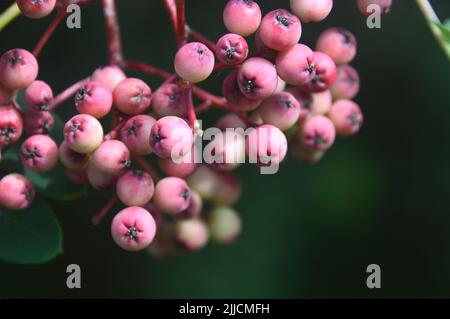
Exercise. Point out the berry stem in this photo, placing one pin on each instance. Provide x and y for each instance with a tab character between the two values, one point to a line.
98	217
217	101
433	22
203	107
66	94
172	10
145	166
147	68
113	30
48	33
190	110
114	133
181	22
9	15
201	38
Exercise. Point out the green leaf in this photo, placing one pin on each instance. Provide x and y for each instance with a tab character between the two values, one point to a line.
32	236
445	30
55	184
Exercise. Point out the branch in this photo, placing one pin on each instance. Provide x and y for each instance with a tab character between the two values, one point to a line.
187	95
172	10
181	22
66	94
98	217
9	15
433	20
147	68
48	33
201	38
113	30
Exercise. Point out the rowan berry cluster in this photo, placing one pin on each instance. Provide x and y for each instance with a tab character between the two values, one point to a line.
285	93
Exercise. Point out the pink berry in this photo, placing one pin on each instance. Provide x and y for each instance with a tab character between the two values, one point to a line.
83	133
169	100
339	44
16	192
195	206
321	102
71	159
296	66
266	145
38	122
311	10
194	62
136	134
98	179
38	96
11	126
230	120
347	83
346	117
325	73
133	228
135	188
36	9
109	76
318	133
18	69
39	153
242	17
94	98
132	96
280	30
182	168
112	157
224	225
191	234
77	177
171	195
257	78
281	110
171	137
226	151
305	155
363	6
232	49
229	189
5	95
205	181
234	96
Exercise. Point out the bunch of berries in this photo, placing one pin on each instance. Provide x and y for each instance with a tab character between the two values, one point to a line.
284	95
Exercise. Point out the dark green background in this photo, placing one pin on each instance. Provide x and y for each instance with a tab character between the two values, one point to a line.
380	197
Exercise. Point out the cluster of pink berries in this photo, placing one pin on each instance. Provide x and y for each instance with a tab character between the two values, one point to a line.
283	87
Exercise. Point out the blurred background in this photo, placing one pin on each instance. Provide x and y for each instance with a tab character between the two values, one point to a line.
381	197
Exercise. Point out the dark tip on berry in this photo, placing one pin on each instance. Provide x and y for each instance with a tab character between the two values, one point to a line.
230	52
28	193
126	163
347	37
7	131
318	140
287	103
43	107
81	94
200	51
138	173
30	153
185	194
354	118
281	19
311	68
74	127
250	86
132	130
132	233
46	128
157	137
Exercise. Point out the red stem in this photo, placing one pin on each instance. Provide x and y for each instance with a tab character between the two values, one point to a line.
190	110
203	107
201	38
66	94
113	30
48	33
114	133
145	166
98	217
172	10
181	22
147	68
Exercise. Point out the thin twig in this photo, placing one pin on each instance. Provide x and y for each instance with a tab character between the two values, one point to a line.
48	33
113	30
181	22
98	217
172	11
66	94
